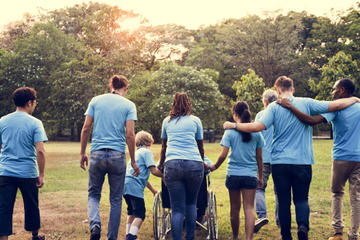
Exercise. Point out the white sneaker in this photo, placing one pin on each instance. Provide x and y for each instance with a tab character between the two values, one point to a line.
260	223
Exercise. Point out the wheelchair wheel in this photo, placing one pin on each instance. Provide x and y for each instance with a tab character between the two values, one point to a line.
212	217
161	219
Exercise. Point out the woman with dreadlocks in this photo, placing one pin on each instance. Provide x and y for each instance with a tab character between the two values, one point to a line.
182	154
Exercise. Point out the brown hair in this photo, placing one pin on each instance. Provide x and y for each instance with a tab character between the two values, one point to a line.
118	82
241	109
143	138
181	106
284	83
22	95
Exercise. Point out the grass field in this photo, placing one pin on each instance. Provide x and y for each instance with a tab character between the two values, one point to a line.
63	199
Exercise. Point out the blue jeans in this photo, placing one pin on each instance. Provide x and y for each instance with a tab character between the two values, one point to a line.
260	201
183	179
297	178
113	163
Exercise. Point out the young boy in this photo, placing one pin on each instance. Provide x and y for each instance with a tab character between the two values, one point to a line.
134	186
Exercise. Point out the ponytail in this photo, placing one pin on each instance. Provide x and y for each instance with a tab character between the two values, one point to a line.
241	109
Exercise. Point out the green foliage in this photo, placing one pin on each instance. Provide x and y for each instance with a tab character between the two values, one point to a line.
153	94
339	66
250	89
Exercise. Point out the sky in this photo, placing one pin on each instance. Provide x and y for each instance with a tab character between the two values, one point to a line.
189	13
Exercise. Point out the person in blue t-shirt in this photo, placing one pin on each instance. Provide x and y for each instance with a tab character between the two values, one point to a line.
134	186
22	138
183	153
244	171
292	153
268	97
345	155
114	119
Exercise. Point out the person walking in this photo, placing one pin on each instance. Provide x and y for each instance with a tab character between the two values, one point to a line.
22	163
113	118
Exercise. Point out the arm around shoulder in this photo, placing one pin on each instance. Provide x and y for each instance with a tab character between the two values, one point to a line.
342	103
245	127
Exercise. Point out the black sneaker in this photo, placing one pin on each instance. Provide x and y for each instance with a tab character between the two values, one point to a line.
38	237
260	223
302	233
95	233
129	236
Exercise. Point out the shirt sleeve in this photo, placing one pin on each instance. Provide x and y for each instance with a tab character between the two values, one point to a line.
226	139
132	115
163	128
261	141
39	133
199	129
90	110
268	116
149	159
329	116
317	107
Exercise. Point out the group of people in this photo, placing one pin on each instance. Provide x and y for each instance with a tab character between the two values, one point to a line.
278	142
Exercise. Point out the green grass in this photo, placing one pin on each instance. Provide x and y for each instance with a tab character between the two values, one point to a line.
63	199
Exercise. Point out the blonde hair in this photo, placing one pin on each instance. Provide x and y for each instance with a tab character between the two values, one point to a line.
143	138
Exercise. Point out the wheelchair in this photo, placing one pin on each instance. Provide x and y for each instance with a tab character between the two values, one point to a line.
162	212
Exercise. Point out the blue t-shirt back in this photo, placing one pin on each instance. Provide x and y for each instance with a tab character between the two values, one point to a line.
242	159
135	186
19	132
110	113
268	136
181	134
292	142
346	129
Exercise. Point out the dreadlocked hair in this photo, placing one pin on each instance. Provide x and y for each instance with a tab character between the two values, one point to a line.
181	106
241	109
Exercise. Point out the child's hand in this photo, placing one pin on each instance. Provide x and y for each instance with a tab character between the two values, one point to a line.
212	167
155	192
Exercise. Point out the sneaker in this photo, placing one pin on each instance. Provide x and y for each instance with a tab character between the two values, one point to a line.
95	233
260	223
302	233
129	236
38	237
337	236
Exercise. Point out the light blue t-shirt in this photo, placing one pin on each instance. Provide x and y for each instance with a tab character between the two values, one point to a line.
19	132
292	142
346	129
135	186
110	113
242	159
268	136
181	134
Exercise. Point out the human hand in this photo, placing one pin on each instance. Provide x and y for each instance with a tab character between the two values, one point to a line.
155	192
212	167
260	183
84	161
40	181
136	169
284	102
160	166
229	125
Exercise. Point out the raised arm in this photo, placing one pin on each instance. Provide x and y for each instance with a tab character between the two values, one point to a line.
40	158
303	117
342	103
245	127
156	172
221	159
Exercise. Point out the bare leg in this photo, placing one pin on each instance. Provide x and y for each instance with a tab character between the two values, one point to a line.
235	204
248	202
3	237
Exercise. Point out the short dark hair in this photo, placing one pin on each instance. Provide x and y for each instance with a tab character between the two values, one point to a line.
347	84
22	95
284	83
118	82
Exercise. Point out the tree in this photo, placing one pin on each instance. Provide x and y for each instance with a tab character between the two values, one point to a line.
339	66
250	89
153	93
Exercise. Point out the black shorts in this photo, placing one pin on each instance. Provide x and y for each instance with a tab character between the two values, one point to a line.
135	206
240	182
30	195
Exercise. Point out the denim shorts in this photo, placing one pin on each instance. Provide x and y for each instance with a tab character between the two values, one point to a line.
135	206
240	182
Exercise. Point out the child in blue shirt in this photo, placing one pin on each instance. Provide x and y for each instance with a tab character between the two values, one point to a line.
244	171
134	186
